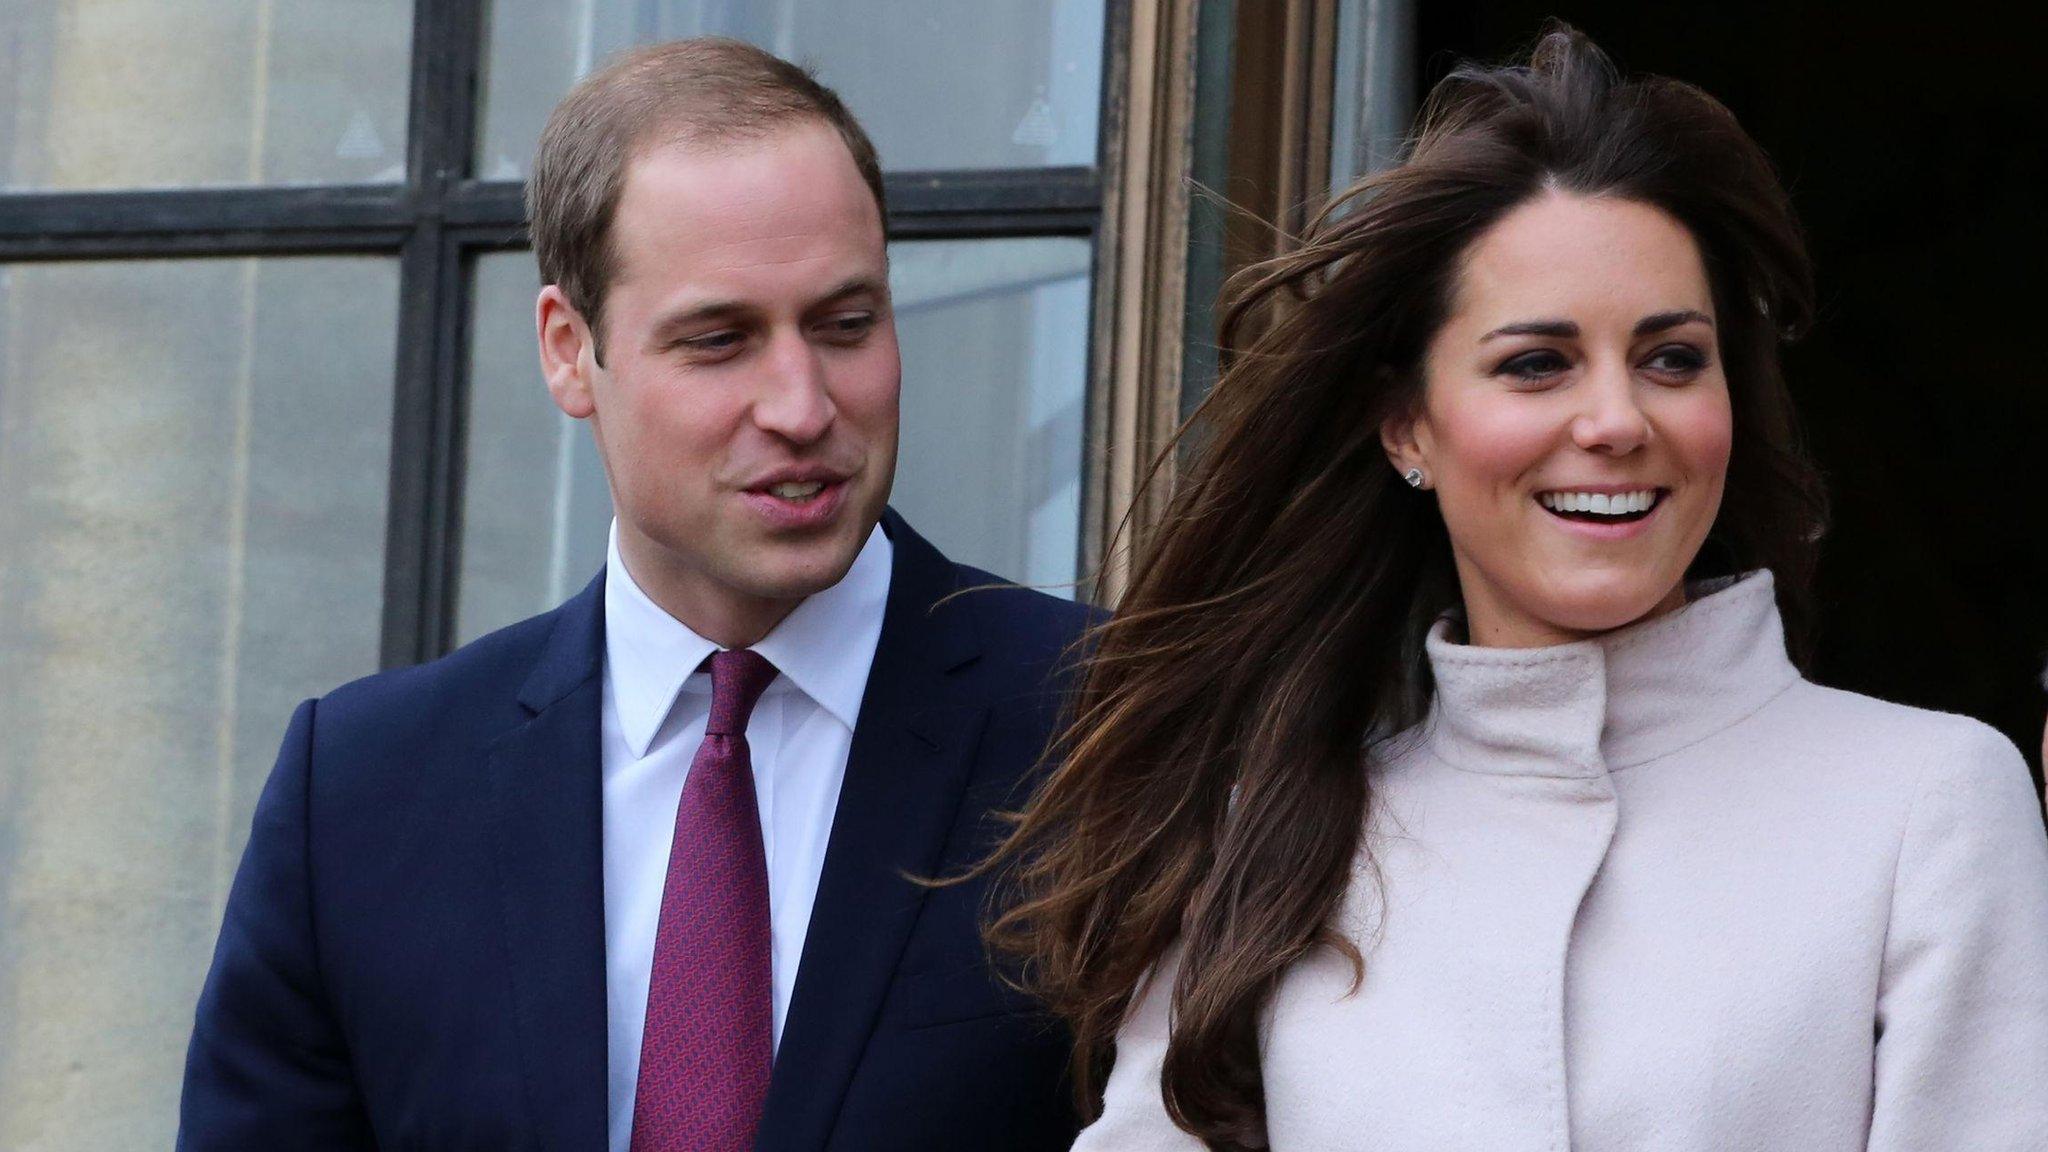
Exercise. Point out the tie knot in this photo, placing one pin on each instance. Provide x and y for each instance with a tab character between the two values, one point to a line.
738	678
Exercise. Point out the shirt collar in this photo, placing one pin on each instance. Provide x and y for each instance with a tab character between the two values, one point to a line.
824	647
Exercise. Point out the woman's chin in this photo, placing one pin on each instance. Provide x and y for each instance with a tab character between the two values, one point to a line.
1604	606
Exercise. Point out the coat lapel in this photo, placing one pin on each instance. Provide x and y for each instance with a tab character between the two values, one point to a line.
909	764
545	787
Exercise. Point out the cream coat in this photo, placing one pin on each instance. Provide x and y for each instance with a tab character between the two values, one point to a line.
1654	891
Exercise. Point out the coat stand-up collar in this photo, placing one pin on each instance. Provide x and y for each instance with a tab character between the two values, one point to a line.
1616	700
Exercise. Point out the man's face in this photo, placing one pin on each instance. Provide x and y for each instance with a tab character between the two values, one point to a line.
746	409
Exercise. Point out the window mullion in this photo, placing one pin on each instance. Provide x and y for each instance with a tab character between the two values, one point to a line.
426	483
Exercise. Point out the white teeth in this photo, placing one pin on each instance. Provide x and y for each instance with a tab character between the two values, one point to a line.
797	490
1600	503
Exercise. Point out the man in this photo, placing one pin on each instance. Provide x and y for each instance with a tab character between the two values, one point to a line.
637	873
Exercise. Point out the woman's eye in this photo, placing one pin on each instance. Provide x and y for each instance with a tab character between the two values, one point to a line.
1538	365
1676	360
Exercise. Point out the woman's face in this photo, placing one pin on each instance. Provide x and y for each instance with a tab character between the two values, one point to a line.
1574	423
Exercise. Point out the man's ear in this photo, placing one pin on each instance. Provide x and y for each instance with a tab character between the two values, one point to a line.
568	352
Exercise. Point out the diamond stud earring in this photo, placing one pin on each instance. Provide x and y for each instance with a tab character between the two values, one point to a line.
1414	477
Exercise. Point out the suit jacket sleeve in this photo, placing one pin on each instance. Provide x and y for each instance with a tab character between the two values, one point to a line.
1962	1049
1134	1115
267	1066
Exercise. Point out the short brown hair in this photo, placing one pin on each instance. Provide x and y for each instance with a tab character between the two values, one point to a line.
707	90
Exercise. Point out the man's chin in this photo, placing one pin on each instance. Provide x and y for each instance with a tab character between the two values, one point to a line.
810	571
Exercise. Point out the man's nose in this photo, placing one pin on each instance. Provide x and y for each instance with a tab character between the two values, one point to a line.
795	402
1611	420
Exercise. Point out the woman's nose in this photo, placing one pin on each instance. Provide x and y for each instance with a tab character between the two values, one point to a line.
1612	420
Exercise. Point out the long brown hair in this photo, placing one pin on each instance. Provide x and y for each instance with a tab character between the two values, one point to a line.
1210	791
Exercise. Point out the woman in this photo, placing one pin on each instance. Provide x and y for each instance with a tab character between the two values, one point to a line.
1608	873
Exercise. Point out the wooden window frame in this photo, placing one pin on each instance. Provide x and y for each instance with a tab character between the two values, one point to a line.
1239	93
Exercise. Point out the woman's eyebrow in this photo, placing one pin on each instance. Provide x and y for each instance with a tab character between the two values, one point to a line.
1560	329
1565	329
1665	321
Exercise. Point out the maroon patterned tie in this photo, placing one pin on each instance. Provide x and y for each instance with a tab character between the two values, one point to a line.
705	1056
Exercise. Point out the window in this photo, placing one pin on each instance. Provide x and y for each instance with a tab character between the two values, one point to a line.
270	416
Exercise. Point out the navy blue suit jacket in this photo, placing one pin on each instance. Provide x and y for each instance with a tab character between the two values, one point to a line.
413	952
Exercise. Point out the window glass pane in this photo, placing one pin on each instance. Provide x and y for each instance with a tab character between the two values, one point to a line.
995	384
103	94
1374	95
937	84
995	343
195	458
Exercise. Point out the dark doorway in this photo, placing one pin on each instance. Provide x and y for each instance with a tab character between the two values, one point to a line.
1916	148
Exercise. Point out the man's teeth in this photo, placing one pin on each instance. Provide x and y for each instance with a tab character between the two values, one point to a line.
1600	503
797	491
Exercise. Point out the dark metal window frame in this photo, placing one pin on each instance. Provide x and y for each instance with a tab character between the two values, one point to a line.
436	223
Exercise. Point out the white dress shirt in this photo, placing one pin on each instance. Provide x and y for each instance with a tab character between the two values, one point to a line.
656	705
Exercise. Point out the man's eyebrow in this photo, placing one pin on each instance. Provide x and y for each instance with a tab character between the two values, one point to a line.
1560	329
710	310
855	286
1665	321
698	314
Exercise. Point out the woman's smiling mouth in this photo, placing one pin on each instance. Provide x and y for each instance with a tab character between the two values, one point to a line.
1611	514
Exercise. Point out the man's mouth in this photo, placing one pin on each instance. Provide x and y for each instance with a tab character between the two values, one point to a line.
1602	507
799	491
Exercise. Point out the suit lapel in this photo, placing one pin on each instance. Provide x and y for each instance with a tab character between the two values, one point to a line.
911	757
545	788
